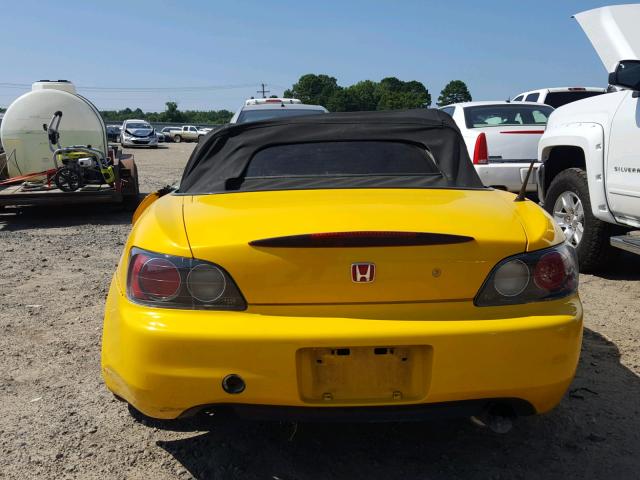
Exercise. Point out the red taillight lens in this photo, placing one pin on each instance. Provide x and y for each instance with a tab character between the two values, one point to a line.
550	272
481	151
177	282
158	279
137	261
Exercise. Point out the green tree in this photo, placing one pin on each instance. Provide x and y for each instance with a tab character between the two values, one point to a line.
455	91
363	96
314	89
389	94
172	114
395	94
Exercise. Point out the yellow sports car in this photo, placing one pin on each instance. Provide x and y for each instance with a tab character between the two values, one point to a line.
341	265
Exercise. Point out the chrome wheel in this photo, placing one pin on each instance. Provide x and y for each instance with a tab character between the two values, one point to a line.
568	213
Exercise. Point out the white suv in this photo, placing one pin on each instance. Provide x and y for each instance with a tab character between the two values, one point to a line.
257	109
556	97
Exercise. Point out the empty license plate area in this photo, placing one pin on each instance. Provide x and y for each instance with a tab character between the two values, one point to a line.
364	374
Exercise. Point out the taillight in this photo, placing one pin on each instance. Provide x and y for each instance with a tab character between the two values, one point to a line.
178	282
531	277
481	152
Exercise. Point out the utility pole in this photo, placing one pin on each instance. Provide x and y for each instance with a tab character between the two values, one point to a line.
263	91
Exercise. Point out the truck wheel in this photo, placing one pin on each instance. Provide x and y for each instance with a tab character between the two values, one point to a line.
568	203
177	139
200	138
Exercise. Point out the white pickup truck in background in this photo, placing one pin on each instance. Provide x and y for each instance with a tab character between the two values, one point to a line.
589	180
187	133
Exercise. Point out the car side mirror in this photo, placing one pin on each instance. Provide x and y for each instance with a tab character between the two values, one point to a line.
626	75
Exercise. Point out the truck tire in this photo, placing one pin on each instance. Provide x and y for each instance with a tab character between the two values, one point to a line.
177	139
568	202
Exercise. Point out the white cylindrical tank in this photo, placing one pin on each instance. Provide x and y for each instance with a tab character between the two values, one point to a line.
25	141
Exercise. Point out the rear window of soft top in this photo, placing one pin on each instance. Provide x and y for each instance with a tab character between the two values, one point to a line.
340	159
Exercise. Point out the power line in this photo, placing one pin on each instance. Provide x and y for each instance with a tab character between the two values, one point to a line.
141	89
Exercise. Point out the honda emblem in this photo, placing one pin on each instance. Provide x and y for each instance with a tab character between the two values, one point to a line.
363	272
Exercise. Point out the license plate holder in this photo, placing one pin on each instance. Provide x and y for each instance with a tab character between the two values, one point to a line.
372	374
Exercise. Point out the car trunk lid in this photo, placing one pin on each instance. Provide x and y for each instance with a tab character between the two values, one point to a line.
508	143
464	233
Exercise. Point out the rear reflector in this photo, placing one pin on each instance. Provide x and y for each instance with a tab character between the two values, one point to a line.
524	132
360	239
481	152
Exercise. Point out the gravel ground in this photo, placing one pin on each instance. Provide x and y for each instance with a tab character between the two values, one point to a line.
57	420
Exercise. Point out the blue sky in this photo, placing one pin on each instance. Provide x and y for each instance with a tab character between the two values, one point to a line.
498	48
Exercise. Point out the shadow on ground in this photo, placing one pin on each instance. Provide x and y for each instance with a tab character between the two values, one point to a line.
594	433
624	266
27	218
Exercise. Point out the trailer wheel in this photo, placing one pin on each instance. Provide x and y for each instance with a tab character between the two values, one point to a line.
131	190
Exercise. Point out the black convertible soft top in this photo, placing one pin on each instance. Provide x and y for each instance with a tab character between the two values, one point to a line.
220	162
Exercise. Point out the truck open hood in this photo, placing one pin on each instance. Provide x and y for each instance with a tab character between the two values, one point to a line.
613	31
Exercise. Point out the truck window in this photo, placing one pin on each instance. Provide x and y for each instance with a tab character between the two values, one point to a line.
557	99
532	97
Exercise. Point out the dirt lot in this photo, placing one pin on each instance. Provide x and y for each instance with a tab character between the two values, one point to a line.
58	421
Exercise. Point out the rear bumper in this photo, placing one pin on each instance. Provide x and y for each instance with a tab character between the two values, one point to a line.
168	362
509	176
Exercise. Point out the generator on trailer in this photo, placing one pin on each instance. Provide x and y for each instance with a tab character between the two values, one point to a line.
38	169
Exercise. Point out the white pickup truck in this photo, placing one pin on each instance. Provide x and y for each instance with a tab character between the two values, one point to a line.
589	180
188	133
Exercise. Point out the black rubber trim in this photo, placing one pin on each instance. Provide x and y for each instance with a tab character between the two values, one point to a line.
400	413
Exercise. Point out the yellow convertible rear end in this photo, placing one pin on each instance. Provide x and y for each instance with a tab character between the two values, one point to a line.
350	266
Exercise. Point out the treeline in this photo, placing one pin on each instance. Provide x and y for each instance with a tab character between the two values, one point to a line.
171	115
390	93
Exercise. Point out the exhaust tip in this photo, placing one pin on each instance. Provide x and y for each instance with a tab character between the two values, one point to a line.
233	384
498	418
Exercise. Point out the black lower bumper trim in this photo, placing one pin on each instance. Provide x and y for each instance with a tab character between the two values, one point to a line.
399	413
